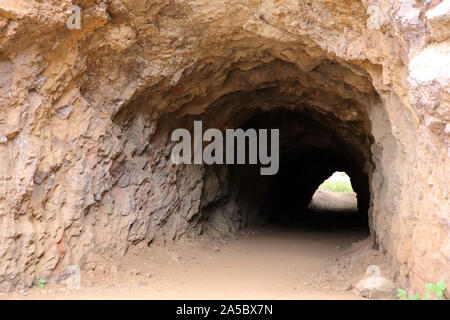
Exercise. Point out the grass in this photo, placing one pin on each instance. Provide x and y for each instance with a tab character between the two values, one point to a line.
336	186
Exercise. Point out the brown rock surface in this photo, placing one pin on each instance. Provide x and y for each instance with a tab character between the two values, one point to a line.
85	117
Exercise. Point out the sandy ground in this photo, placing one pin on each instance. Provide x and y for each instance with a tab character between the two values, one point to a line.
273	264
310	259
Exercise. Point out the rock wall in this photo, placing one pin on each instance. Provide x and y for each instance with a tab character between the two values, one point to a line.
85	118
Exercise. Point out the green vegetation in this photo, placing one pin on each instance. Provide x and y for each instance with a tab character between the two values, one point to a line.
336	186
41	283
434	290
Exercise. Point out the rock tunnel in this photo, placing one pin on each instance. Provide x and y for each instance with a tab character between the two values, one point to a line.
85	124
321	130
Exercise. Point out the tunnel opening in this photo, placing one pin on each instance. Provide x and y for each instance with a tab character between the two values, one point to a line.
311	147
335	194
324	123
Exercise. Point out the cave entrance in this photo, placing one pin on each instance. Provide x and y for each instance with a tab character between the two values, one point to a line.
323	128
324	124
310	151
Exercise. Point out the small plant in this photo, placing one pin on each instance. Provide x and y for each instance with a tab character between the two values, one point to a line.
436	290
41	283
404	296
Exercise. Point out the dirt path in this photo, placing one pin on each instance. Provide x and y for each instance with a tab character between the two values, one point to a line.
330	201
273	263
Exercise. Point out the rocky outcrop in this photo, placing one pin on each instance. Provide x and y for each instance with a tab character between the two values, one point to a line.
85	118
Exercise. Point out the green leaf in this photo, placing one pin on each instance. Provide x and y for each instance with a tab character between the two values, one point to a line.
426	296
40	283
441	285
430	287
415	297
401	293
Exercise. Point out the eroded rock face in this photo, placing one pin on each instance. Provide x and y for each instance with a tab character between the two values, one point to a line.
85	119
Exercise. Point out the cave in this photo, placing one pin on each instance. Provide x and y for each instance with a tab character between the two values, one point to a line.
312	147
320	131
86	118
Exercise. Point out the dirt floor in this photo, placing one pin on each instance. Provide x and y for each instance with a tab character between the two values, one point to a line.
312	258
